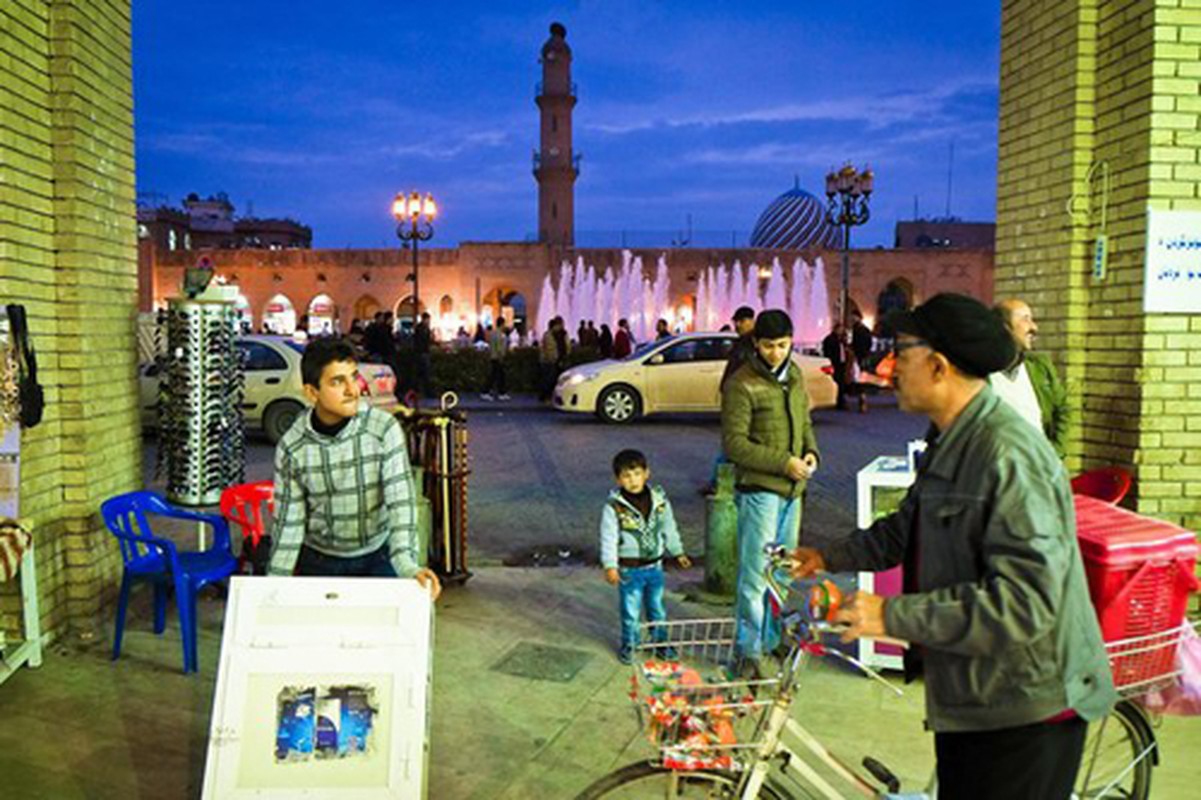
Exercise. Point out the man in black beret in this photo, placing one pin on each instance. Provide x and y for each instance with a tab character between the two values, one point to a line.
995	605
768	436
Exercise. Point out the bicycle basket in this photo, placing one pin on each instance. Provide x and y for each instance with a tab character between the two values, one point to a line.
696	715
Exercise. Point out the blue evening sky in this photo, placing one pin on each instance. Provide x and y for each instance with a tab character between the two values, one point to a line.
322	111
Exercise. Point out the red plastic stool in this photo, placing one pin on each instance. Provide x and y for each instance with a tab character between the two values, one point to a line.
243	506
1108	484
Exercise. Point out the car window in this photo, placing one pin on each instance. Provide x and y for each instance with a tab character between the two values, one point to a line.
683	352
642	350
261	357
714	349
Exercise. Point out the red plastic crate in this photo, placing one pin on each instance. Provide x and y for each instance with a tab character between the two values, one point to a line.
1140	574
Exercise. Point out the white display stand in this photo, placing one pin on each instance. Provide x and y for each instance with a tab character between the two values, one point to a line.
27	651
290	638
884	472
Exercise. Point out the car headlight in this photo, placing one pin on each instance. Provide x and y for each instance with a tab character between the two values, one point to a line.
578	378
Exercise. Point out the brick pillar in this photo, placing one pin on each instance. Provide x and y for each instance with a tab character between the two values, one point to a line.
68	253
1092	89
91	107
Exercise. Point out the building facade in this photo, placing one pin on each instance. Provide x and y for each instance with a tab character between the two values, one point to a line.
460	286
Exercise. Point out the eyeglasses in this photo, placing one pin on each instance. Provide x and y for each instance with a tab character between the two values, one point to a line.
901	347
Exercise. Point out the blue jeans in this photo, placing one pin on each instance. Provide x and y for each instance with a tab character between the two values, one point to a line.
763	518
372	565
641	588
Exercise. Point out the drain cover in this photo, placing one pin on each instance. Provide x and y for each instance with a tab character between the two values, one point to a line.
542	662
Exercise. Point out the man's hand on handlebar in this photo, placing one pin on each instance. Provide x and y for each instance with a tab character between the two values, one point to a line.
806	562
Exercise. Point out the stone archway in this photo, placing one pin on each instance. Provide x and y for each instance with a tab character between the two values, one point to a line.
507	301
366	307
322	315
279	315
897	295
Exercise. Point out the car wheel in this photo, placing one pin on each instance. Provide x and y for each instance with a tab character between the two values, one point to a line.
280	416
619	404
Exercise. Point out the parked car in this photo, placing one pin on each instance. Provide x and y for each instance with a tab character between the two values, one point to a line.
682	373
273	395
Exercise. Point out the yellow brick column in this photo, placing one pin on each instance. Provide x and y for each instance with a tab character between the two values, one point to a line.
68	253
1100	120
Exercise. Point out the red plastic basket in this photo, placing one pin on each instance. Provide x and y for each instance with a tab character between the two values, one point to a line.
1140	574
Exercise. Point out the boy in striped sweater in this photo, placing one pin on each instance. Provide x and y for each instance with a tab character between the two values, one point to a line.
344	497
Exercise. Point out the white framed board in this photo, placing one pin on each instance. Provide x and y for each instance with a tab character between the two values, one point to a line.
322	691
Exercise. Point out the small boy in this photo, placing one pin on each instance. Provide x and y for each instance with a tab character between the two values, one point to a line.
344	496
637	526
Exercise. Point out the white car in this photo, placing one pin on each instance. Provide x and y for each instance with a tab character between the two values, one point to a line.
273	396
682	373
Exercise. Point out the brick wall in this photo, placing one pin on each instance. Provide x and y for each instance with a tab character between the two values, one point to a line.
67	252
1096	92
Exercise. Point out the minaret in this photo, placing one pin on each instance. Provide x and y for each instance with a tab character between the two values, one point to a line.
555	165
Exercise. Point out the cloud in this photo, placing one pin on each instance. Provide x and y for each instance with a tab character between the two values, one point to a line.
876	111
773	153
442	152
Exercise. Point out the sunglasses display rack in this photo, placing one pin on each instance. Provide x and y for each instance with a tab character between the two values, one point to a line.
201	433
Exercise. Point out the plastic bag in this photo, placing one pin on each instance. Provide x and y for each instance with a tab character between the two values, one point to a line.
1183	697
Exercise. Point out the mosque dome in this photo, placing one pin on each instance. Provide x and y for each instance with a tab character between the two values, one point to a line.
795	220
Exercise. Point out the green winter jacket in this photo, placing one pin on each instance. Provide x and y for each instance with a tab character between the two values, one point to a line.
1052	399
1000	607
763	424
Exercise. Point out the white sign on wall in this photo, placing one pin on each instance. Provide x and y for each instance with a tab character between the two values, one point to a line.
1173	279
322	691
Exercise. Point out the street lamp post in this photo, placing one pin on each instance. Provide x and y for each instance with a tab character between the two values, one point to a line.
847	193
414	223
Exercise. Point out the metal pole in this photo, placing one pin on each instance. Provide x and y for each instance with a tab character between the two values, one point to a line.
846	274
416	291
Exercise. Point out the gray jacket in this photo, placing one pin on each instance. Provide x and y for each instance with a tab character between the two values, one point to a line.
1000	606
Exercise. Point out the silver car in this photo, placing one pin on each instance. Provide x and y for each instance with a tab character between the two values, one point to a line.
274	396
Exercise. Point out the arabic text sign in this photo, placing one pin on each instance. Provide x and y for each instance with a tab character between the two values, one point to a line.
1173	281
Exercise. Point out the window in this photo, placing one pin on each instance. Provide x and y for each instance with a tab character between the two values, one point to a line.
260	357
714	349
554	210
554	123
172	241
683	352
143	231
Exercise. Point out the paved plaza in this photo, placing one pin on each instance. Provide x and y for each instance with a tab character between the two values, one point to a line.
84	727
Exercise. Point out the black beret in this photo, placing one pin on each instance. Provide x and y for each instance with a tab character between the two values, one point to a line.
963	329
772	324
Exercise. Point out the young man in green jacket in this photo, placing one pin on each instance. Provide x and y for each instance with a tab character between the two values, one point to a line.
1030	384
767	434
995	603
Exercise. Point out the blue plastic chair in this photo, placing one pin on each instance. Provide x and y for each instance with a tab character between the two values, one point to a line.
156	560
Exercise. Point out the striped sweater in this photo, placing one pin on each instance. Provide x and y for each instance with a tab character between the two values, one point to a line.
345	495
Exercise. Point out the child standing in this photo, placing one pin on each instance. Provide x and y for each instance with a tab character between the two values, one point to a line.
637	528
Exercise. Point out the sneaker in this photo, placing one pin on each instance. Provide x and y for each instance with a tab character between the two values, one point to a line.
625	654
487	396
504	397
667	653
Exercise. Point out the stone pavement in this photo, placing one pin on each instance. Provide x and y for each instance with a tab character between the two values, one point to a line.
84	727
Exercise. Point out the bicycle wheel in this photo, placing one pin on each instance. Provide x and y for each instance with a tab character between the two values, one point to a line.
1118	756
646	780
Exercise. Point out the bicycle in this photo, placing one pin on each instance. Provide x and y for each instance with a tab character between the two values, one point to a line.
1121	750
725	739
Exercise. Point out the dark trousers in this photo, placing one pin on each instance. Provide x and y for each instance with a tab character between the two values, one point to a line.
372	565
1031	762
423	375
496	378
